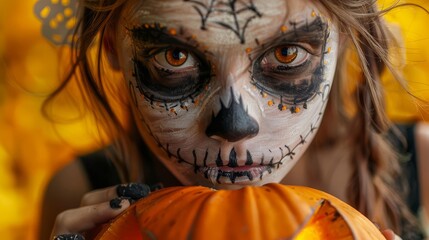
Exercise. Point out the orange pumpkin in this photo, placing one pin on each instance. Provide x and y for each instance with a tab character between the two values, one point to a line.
273	211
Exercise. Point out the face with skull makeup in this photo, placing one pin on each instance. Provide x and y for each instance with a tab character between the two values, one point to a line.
227	93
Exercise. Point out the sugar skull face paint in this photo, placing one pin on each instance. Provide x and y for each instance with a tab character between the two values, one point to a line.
223	109
240	14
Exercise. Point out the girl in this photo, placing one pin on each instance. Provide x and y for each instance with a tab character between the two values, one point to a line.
231	93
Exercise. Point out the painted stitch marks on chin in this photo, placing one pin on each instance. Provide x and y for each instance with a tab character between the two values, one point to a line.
233	15
228	168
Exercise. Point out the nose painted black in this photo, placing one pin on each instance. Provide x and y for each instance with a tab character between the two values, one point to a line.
232	123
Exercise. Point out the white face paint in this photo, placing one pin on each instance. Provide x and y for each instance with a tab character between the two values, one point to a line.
227	99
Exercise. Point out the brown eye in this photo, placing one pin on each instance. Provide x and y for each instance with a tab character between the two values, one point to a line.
176	56
286	54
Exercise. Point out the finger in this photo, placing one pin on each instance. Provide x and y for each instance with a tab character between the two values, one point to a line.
99	196
135	191
69	237
85	218
390	235
397	237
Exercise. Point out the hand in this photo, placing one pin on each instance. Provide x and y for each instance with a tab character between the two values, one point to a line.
390	235
97	207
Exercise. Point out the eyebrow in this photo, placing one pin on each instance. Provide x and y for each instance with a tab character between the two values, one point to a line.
156	34
314	33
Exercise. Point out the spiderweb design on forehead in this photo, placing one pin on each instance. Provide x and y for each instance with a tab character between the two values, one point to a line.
234	15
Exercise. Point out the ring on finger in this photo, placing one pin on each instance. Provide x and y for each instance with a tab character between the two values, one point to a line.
69	236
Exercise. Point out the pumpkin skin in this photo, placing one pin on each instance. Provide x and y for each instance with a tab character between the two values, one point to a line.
272	211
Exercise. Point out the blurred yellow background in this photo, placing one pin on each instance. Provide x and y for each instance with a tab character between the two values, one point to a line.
32	149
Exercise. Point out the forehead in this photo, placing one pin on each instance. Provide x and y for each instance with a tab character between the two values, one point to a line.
220	22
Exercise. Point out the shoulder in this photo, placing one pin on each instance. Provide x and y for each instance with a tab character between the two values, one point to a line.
422	142
422	132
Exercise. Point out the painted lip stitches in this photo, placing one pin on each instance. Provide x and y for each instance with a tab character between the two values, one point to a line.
235	175
221	171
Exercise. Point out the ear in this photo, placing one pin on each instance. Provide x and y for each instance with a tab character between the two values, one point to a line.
109	46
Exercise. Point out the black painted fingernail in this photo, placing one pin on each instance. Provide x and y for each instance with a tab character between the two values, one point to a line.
116	203
156	186
69	236
135	191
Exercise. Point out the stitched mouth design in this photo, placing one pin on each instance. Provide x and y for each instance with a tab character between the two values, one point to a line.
234	174
252	170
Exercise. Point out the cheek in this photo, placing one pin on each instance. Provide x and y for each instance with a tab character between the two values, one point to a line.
291	127
180	125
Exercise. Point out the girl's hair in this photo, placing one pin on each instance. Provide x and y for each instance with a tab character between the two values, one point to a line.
372	189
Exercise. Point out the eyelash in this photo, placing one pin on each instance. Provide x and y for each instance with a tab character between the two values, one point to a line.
188	79
162	82
302	55
294	83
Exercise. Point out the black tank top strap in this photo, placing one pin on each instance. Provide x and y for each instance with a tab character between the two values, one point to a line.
408	161
410	177
100	170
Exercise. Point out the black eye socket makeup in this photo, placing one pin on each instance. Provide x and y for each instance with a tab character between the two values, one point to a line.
292	67
166	69
170	67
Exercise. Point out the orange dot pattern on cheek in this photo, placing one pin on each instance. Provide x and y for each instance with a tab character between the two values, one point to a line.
172	31
287	54
184	107
283	107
